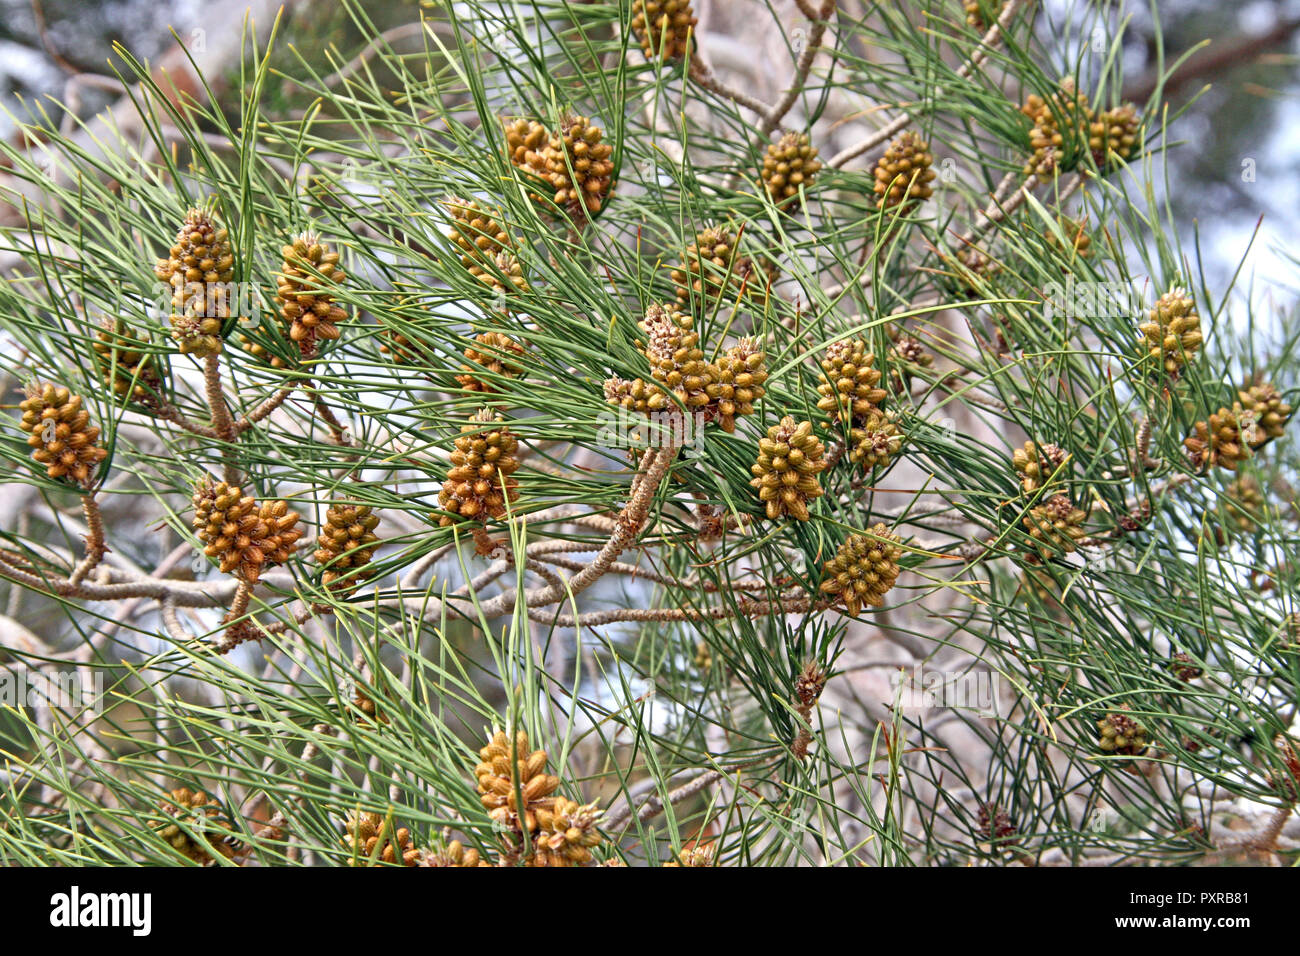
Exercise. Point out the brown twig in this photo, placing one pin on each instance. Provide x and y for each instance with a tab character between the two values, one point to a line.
261	411
337	429
806	57
703	76
95	546
635	571
184	593
789	604
221	421
169	412
655	804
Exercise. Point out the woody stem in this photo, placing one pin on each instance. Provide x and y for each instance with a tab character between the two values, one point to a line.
95	546
221	421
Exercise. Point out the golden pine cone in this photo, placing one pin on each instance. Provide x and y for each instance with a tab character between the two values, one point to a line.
201	254
696	855
479	485
307	307
789	460
1051	148
503	272
475	233
527	145
789	163
903	174
663	27
371	840
242	536
454	854
676	360
227	523
198	811
636	395
713	267
499	772
1036	463
739	377
346	544
1121	734
199	268
1117	132
849	386
579	167
568	832
1044	140
123	364
492	352
484	245
863	570
1056	524
60	434
1217	443
1260	408
875	442
1172	331
282	531
195	335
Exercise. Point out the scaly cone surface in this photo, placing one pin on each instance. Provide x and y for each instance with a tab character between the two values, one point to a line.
199	268
789	460
60	434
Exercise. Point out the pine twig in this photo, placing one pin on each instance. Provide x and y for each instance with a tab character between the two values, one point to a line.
261	411
221	421
704	76
95	545
169	412
802	69
797	603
